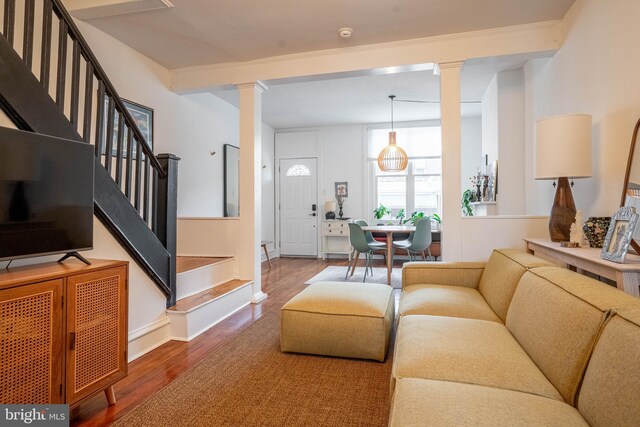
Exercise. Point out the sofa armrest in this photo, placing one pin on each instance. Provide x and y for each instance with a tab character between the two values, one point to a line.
465	274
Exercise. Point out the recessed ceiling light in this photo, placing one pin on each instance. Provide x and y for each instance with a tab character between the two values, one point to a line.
345	32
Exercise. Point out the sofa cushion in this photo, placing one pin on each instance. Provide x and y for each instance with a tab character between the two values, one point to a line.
611	386
465	274
465	350
441	300
419	402
556	316
501	276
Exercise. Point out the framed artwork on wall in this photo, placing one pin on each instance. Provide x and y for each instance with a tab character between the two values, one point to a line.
342	189
142	116
231	172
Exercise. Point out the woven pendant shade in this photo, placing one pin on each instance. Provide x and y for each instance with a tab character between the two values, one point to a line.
392	158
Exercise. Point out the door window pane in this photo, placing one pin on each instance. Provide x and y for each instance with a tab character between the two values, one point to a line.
298	170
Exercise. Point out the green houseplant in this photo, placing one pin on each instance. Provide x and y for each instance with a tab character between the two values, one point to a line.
467	197
381	211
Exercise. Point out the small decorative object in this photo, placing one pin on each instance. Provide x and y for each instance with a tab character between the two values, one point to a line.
492	172
485	188
340	200
342	189
330	207
575	234
595	229
616	244
570	244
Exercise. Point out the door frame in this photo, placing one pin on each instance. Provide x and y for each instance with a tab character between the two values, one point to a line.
278	211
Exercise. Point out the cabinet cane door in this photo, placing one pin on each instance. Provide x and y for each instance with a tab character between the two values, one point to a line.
31	325
96	331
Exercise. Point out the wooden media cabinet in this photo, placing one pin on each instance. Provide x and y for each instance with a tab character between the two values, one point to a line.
63	331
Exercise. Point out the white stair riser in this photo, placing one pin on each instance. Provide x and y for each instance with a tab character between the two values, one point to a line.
185	326
193	281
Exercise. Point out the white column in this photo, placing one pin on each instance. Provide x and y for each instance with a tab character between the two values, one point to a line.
250	186
451	161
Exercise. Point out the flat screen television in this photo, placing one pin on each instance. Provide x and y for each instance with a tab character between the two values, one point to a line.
46	195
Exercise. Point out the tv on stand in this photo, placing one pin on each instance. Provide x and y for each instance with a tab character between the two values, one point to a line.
46	195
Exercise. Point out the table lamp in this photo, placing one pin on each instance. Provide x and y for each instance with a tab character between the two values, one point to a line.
330	209
563	151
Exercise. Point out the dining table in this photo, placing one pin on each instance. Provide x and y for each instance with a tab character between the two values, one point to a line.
389	230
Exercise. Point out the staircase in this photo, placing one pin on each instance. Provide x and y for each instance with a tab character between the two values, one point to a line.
206	295
51	83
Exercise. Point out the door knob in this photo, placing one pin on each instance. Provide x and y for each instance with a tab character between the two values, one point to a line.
312	214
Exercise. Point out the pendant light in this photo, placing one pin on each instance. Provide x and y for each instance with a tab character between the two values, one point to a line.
392	158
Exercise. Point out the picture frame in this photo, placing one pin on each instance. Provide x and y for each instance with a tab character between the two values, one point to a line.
142	116
342	189
231	170
619	235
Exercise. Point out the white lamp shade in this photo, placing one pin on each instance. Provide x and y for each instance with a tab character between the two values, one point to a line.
563	147
329	206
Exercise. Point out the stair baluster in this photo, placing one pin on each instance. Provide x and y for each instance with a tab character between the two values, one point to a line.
122	145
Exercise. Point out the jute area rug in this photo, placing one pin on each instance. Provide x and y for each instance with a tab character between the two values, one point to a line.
249	382
336	273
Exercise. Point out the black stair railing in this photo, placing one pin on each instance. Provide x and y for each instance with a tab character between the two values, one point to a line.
76	82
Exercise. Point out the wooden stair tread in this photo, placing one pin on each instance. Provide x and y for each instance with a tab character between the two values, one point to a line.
193	301
188	263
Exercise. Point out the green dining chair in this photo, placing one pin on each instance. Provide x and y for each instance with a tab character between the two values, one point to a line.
419	241
360	245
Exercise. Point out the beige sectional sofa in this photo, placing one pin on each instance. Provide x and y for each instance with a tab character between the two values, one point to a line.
514	341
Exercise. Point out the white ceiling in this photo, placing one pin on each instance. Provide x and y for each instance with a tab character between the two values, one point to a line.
198	32
364	99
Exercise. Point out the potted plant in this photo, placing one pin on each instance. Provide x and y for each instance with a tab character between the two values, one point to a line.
400	216
467	197
381	211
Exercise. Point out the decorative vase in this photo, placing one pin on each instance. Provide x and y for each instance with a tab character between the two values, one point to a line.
478	193
595	230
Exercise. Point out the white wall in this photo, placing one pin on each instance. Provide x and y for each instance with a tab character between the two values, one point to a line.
471	149
268	187
490	120
511	143
190	126
503	138
596	72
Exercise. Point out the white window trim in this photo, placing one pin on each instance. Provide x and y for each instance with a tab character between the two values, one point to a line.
370	184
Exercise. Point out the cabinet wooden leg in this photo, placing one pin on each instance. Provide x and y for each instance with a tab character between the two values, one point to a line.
111	395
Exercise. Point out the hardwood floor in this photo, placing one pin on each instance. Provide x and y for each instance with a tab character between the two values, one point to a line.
156	369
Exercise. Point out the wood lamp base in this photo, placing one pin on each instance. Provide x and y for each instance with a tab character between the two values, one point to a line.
563	212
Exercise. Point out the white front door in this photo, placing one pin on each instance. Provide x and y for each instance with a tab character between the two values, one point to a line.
298	207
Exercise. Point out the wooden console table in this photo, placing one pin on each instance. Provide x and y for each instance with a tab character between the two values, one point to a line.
626	276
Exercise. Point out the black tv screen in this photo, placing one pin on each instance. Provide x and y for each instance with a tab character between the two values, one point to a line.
46	195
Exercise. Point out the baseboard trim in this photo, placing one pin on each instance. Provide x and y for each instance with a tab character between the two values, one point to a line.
148	338
206	328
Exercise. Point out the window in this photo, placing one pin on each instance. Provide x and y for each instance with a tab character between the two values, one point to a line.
298	170
419	187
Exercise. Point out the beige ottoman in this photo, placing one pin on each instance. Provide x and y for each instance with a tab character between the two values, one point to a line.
339	319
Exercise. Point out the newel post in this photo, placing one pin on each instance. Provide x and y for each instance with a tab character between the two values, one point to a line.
167	215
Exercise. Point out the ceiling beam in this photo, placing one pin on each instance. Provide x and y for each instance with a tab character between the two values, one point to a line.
92	9
385	57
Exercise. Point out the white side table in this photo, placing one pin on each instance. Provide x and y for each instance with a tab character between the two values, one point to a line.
335	238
